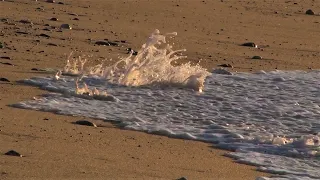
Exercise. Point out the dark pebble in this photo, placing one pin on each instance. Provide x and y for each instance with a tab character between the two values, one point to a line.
54	19
5	57
182	178
76	19
51	44
256	57
65	26
44	35
60	3
6	63
309	12
226	65
249	44
85	123
4	79
133	51
51	1
21	32
25	22
106	43
13	153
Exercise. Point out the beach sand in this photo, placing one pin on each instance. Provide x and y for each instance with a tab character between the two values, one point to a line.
211	31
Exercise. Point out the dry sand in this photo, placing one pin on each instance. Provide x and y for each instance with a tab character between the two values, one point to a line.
211	31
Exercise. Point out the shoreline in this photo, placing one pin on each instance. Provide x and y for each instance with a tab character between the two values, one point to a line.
54	147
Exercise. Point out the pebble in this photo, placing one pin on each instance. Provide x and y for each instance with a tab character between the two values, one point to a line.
44	35
249	44
1	45
226	65
256	57
133	53
51	44
85	123
6	63
309	12
13	153
66	26
54	19
5	57
4	79
221	71
106	43
76	19
51	1
182	178
25	22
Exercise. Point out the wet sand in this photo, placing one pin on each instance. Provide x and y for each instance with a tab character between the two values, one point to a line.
212	33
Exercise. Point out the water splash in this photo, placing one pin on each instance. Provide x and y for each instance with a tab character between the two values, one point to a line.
151	66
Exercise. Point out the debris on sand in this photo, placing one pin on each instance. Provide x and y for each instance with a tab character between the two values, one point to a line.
86	123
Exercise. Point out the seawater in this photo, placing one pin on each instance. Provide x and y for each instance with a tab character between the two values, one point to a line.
268	119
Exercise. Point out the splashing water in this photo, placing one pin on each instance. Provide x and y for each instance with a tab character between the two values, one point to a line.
151	66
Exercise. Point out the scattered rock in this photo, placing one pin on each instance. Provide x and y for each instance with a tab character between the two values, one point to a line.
5	57
1	45
51	1
6	63
309	12
226	65
54	19
182	178
13	153
106	43
249	44
256	57
4	79
85	123
4	20
221	71
73	14
60	3
46	119
21	32
40	9
51	44
133	51
66	26
25	22
44	35
76	19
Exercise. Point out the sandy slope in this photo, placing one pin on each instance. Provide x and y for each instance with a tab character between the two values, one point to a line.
210	31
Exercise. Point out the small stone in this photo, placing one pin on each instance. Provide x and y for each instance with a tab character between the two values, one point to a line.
4	79
106	43
5	57
1	45
25	22
60	3
54	19
221	71
249	44
133	51
6	63
309	12
65	26
226	65
76	19
21	32
85	123
44	35
51	1
13	153
256	57
182	178
51	44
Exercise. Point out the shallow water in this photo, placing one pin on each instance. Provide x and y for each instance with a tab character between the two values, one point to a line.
271	120
243	112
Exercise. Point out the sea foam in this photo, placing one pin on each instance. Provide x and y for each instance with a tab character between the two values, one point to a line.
268	119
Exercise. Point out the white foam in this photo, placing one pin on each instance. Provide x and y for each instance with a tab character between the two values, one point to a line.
270	119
